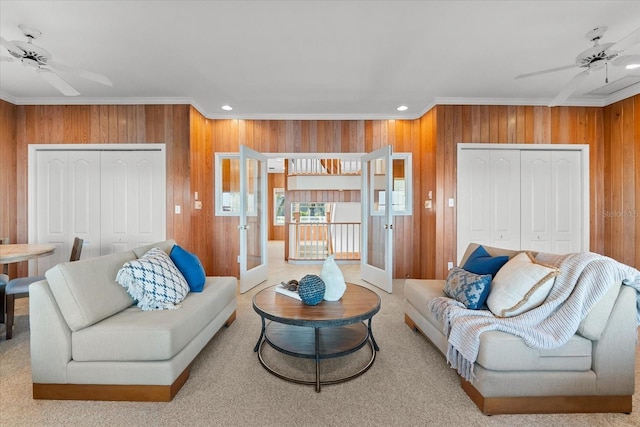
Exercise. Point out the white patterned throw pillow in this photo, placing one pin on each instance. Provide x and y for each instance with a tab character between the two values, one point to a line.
154	281
521	284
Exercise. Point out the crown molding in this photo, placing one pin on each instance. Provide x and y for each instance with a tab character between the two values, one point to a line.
68	100
625	93
284	116
9	98
540	102
543	102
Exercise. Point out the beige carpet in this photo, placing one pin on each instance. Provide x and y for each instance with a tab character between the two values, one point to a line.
409	385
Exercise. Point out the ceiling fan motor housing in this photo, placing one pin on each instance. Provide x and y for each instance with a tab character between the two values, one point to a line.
31	51
595	54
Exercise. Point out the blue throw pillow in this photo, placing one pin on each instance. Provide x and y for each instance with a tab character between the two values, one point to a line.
470	289
480	262
190	267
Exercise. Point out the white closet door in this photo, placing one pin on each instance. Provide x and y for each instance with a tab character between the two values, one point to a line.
67	203
505	188
488	199
537	204
566	190
551	201
132	199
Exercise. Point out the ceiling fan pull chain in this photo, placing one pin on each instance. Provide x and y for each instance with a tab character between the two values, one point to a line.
606	72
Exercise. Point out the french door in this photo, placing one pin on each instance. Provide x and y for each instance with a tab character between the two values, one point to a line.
377	219
253	218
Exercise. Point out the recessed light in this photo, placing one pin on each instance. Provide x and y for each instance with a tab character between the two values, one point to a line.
227	107
402	108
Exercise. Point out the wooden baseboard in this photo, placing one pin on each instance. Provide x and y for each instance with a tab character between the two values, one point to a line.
113	392
547	404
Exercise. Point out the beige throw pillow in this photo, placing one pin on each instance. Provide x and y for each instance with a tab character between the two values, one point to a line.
520	285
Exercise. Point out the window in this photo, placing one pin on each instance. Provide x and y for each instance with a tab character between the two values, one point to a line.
306	213
401	196
278	206
227	184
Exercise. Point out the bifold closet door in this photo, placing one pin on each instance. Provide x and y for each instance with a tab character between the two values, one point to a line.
551	201
132	195
488	198
67	203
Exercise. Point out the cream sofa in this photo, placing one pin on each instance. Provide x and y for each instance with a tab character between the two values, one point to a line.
593	372
89	342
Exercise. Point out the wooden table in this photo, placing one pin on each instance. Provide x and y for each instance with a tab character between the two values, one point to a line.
329	329
18	252
23	251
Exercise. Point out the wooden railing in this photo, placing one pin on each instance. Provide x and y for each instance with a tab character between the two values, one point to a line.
323	166
316	241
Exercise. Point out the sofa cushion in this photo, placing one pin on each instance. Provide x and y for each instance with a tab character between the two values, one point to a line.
134	334
501	351
166	246
468	288
86	290
493	251
521	284
481	262
190	267
153	280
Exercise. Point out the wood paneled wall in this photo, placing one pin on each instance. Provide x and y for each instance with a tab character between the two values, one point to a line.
8	166
101	124
424	242
291	136
276	180
619	211
511	124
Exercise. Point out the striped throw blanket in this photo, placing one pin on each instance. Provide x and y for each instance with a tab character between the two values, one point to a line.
584	278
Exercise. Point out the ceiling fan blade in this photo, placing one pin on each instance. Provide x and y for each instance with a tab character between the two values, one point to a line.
626	60
627	42
550	70
7	59
57	82
98	78
569	88
12	48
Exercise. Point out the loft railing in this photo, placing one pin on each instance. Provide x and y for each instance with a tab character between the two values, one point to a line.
316	241
323	166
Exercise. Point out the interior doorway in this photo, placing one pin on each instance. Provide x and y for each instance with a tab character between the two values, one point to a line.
306	201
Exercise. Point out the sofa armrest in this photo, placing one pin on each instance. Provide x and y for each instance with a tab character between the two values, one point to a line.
50	336
614	354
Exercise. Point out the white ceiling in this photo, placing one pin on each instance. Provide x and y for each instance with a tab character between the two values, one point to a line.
315	59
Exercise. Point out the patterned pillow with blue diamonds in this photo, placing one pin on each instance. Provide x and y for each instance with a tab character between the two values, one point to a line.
468	288
154	281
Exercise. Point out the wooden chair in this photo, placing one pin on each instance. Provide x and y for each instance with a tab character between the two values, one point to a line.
19	288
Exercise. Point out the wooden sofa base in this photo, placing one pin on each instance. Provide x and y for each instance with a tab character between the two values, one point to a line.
547	404
116	392
133	393
539	404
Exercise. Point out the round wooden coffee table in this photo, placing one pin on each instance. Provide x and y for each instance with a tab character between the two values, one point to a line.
329	329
